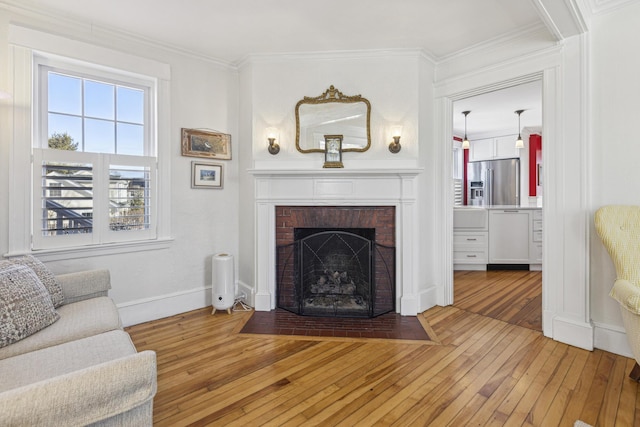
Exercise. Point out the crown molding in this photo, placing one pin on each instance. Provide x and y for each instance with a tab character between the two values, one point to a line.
606	6
491	44
335	55
104	36
563	18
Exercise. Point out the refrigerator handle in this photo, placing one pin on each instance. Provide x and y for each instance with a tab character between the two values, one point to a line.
489	187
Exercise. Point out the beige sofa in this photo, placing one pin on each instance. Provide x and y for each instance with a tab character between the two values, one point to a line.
82	369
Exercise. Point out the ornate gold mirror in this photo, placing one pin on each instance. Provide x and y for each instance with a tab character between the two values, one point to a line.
333	113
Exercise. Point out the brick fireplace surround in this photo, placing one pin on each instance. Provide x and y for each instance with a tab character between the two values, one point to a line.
380	218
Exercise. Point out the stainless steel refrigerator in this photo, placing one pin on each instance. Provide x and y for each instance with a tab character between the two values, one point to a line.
493	182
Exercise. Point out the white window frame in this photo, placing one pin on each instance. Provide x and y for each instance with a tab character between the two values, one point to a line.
24	45
100	233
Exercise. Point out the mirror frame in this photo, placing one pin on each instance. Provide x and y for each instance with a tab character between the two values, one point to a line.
333	95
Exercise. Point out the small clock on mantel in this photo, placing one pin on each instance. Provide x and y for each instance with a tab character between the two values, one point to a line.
333	151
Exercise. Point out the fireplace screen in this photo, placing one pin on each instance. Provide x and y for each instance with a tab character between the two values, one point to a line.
337	273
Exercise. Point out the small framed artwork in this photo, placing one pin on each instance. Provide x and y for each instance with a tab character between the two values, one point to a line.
206	175
202	143
333	151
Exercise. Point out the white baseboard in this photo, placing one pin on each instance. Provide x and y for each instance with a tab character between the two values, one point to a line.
427	298
145	310
470	267
569	331
248	290
612	339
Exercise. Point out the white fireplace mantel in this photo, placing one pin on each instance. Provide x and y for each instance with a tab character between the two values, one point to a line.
341	187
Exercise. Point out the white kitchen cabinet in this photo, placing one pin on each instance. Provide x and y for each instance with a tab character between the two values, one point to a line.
470	250
535	240
470	239
505	147
502	147
481	149
509	231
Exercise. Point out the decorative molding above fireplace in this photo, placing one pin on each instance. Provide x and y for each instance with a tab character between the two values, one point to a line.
375	187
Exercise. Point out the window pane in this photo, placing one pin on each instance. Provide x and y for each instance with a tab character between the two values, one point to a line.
99	136
130	105
99	100
60	124
130	139
67	198
129	198
65	94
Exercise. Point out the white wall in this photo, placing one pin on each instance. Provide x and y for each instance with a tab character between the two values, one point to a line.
614	151
389	80
203	94
399	87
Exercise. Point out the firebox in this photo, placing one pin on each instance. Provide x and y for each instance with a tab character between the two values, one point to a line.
336	272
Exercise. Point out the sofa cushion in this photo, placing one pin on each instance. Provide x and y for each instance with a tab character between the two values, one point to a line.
78	320
61	359
45	275
25	304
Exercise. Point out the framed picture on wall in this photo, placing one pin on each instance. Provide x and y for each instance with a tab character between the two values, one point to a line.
333	151
203	143
206	175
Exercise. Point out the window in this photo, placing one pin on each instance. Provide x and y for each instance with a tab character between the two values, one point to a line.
94	172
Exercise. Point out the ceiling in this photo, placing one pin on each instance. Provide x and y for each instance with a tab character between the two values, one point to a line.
493	113
230	30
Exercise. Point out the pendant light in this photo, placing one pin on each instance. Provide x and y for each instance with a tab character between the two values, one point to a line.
465	141
519	141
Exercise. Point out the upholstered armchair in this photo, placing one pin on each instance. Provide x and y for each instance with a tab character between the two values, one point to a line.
619	229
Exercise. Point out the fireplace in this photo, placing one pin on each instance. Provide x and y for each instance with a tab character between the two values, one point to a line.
332	270
380	197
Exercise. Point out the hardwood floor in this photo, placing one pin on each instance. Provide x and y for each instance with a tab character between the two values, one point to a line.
480	371
512	296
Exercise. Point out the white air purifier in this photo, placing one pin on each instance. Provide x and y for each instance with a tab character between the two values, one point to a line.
223	282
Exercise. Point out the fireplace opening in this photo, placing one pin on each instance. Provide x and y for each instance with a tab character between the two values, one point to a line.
336	272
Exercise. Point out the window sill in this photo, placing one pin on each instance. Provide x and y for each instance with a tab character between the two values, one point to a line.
76	252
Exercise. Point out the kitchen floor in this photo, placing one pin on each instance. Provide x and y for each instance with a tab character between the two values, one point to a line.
511	296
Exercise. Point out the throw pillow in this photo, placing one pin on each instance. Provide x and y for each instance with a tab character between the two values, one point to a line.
45	275
25	304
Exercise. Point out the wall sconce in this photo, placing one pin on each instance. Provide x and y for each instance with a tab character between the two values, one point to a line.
396	133
465	141
519	141
272	135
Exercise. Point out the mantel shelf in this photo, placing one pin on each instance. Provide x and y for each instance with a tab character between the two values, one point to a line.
335	172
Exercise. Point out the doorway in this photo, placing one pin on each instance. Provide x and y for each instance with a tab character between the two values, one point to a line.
489	126
447	100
